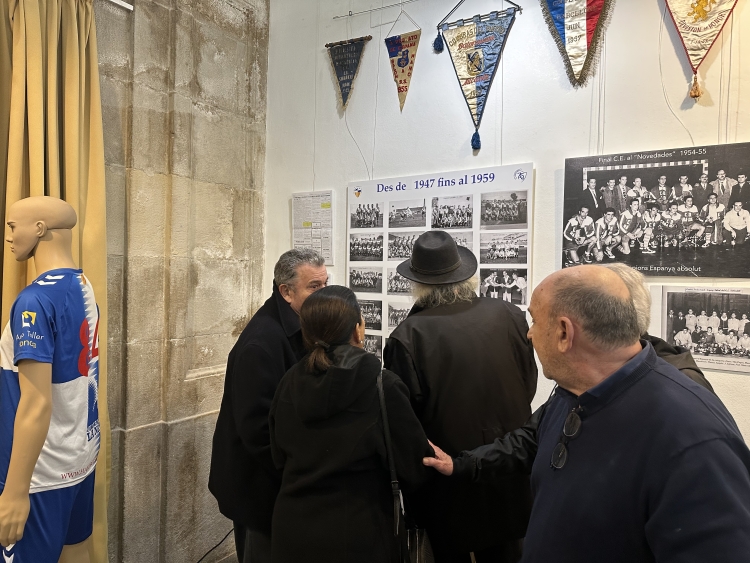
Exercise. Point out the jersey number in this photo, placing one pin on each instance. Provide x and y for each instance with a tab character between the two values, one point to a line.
87	353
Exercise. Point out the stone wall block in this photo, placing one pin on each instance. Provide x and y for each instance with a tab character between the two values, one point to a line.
220	60
255	155
256	71
229	18
192	514
218	147
151	130
143	385
184	54
114	289
215	301
212	220
182	128
114	38
115	95
144	301
241	218
114	504
115	399
179	295
142	494
115	179
181	223
151	53
147	219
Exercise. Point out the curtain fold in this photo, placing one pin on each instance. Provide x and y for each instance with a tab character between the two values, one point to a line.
52	143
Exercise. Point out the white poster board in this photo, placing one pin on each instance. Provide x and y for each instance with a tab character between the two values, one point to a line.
312	222
487	210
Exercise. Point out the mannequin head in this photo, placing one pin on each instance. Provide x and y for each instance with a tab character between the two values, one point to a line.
40	228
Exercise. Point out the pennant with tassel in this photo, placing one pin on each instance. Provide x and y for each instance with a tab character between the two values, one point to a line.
345	58
699	23
475	47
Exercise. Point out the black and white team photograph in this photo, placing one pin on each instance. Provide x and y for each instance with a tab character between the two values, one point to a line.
372	312
397	312
504	210
374	345
503	248
464	239
366	280
366	215
397	284
410	213
452	212
508	284
675	212
714	325
400	244
366	247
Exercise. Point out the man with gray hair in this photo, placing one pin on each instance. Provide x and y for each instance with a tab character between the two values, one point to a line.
471	376
631	461
243	477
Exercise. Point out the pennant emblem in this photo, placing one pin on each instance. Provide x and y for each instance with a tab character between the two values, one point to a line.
345	58
699	23
402	50
475	48
578	27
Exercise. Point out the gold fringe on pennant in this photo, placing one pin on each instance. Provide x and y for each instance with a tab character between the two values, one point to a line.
695	91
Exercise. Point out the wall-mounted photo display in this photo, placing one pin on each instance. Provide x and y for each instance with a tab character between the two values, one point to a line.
367	216
673	212
712	322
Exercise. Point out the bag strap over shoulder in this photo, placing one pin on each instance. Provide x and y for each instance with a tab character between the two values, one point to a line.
391	464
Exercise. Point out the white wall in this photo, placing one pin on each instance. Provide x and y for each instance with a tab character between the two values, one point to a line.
533	113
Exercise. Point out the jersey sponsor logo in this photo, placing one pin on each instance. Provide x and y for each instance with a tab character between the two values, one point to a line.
28	318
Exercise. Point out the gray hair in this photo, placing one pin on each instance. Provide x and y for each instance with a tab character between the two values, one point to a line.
429	296
285	271
609	321
636	284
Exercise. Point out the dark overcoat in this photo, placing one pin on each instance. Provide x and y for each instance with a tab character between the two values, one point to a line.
471	376
243	477
335	504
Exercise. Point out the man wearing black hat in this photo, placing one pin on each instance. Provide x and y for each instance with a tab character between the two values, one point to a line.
471	375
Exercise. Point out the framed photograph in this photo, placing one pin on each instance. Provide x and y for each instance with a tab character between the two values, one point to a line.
400	244
366	280
452	212
366	215
504	210
673	212
374	345
397	284
464	239
397	312
509	284
714	323
407	213
372	312
366	247
504	248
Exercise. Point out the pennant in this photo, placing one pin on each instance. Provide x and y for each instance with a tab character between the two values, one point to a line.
475	50
402	50
578	27
345	57
699	23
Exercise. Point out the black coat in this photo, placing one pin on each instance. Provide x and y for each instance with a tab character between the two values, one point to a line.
335	503
243	477
471	375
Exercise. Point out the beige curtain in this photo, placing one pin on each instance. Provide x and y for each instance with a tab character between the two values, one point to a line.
51	143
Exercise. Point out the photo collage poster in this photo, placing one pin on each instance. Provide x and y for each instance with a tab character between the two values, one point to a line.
712	322
690	219
487	210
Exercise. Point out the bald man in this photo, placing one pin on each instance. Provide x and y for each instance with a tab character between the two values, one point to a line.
632	461
49	413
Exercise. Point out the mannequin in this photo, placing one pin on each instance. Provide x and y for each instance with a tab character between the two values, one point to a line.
50	408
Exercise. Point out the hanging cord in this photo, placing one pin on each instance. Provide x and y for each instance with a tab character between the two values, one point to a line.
729	77
315	111
217	545
661	75
377	86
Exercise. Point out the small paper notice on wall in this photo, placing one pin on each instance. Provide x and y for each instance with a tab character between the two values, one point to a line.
312	222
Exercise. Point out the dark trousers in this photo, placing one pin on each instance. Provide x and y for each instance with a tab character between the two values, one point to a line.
504	552
252	546
741	234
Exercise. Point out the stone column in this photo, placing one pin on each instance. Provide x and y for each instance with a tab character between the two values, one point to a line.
184	102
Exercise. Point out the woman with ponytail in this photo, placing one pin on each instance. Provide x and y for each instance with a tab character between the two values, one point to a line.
335	504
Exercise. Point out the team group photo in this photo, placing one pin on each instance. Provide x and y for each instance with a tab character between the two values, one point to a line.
510	248
372	312
366	215
452	212
366	248
366	280
504	210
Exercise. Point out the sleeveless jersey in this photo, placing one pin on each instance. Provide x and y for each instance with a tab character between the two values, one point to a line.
55	320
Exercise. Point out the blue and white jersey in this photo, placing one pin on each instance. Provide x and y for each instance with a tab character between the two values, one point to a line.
55	320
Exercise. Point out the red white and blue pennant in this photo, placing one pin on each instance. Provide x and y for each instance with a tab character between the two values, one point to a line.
578	28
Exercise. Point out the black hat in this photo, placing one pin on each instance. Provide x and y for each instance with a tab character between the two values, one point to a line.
437	259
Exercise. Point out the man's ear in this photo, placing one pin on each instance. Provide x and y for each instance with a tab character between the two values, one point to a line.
565	333
286	292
